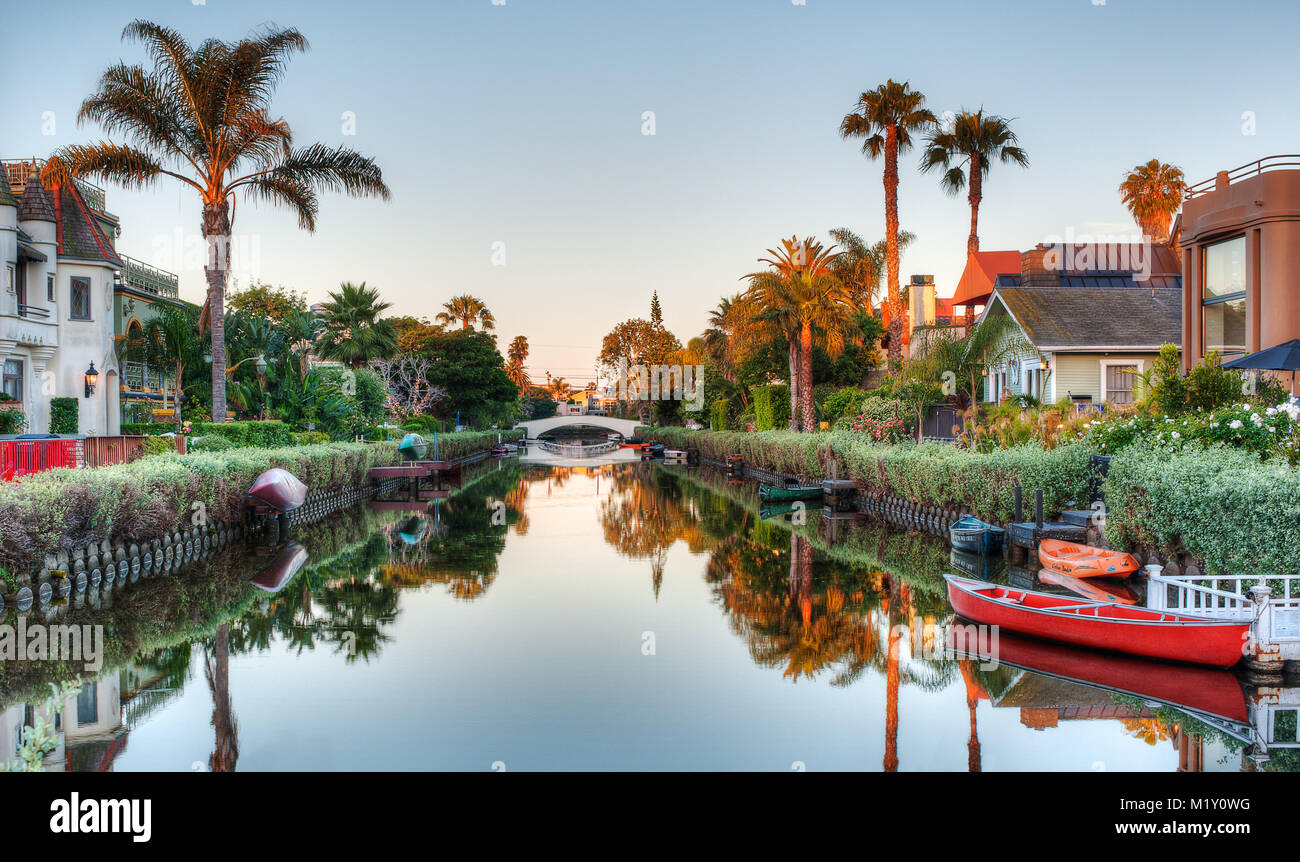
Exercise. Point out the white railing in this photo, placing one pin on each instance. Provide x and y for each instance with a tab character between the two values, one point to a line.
1229	597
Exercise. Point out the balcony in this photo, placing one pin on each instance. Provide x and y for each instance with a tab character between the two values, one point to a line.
17	171
140	378
1253	169
150	279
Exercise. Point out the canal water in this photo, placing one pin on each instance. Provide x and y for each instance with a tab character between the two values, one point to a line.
559	615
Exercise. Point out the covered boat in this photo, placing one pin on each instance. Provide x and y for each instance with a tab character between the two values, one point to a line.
281	569
971	534
413	447
1099	590
1100	625
279	489
774	494
1085	561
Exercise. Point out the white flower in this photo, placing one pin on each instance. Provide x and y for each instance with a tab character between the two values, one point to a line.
1272	411
1177	436
1236	423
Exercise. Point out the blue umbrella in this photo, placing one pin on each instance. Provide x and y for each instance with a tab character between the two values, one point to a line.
1280	357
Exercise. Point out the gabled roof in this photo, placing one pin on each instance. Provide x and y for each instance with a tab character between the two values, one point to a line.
35	204
7	198
80	234
982	269
1077	318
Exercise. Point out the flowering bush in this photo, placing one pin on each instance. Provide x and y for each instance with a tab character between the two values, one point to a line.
879	430
1264	431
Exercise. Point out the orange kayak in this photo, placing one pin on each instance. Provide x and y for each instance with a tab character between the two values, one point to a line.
1099	591
1085	561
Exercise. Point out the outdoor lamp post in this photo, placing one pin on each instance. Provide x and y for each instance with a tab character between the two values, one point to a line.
92	378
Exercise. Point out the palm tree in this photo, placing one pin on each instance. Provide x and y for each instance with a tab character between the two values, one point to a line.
466	310
301	329
885	119
515	369
965	152
200	116
353	331
558	387
172	341
803	294
1153	193
518	349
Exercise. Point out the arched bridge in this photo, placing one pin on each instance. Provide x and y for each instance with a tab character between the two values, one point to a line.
537	427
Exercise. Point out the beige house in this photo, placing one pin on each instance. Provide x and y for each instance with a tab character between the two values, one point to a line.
1093	321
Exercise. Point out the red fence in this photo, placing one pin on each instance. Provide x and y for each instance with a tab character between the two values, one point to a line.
20	457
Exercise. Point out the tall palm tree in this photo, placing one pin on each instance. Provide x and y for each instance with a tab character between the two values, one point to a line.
1153	193
965	152
801	291
885	119
353	331
466	310
515	369
301	329
201	116
558	387
518	348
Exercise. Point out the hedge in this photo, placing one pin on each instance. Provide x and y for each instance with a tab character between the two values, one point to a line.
64	509
933	474
771	407
1221	505
462	443
248	433
63	415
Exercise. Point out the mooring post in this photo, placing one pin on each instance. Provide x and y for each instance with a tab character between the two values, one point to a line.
1017	494
1038	508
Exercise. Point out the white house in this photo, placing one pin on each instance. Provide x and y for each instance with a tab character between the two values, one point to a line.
56	305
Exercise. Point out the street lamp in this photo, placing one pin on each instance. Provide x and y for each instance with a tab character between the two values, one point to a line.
92	378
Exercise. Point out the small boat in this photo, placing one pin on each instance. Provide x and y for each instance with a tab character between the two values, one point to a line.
1100	590
971	534
1100	625
1085	561
279	489
281	569
773	494
631	443
499	451
777	510
413	447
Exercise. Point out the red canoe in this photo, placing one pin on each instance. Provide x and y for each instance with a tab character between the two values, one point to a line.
279	489
1085	561
1121	628
1208	691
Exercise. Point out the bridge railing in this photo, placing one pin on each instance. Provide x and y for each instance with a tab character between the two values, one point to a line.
578	450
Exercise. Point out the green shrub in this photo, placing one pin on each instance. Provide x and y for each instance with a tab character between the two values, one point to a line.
211	443
310	438
771	407
880	409
1221	505
719	414
63	415
269	433
146	429
846	402
12	421
65	509
159	445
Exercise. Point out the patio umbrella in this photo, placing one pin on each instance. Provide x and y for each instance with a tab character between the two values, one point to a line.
1281	357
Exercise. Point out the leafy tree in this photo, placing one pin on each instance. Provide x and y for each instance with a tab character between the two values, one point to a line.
466	364
172	341
965	152
412	333
885	119
262	300
353	331
201	115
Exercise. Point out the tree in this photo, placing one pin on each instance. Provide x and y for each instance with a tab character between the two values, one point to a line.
468	366
802	295
262	300
353	331
300	330
559	389
636	342
656	310
172	341
406	377
885	119
1153	193
515	369
965	152
201	116
466	310
413	333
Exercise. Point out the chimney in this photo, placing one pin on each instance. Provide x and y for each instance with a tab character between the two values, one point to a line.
920	297
1035	270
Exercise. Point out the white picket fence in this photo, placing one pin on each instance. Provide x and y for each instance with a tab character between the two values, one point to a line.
1271	602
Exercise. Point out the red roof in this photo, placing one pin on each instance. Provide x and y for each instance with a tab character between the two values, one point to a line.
982	271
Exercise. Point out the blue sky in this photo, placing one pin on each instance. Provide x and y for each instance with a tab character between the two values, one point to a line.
522	124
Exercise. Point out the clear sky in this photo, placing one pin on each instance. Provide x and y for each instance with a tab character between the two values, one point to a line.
521	124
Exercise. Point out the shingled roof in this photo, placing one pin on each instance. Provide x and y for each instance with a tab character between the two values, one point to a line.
7	198
35	203
79	232
1076	318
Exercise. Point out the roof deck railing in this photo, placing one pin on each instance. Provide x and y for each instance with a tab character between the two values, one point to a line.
1252	169
17	172
138	274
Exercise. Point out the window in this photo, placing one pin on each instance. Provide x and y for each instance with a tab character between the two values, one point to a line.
1119	383
1223	296
13	379
88	705
49	287
80	298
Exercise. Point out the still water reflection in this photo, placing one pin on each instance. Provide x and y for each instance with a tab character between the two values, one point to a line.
624	616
